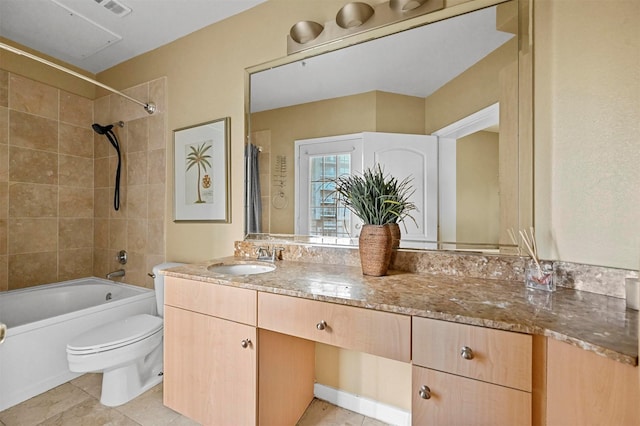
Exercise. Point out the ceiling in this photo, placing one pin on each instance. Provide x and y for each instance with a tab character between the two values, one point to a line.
95	35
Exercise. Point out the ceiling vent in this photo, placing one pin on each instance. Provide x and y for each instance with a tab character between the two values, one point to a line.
115	7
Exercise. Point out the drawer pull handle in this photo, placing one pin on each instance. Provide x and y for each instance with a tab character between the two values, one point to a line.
466	352
424	392
245	343
321	325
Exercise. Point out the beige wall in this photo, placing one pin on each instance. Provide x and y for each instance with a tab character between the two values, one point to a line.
587	127
57	220
138	226
46	183
462	96
205	74
478	191
29	68
365	112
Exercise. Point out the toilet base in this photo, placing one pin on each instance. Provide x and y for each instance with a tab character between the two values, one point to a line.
121	384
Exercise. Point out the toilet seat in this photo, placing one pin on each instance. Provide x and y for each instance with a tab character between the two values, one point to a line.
115	334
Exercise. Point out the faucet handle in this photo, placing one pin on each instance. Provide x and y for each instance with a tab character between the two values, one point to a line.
277	253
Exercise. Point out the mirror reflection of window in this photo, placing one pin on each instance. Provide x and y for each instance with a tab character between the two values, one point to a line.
318	162
326	217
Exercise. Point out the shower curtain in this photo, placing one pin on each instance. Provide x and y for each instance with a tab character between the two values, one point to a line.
253	201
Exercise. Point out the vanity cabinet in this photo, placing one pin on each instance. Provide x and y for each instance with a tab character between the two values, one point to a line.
470	375
584	388
210	359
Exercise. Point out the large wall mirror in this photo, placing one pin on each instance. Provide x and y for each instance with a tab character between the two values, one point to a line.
462	82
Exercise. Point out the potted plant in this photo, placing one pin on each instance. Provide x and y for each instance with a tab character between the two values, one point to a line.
381	202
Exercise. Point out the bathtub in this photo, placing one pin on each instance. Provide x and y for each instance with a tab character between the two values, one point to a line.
41	320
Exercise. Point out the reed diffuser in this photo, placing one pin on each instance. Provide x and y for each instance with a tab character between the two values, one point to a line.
538	273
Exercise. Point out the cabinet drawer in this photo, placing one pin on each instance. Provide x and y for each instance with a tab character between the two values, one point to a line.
456	400
379	333
232	303
499	357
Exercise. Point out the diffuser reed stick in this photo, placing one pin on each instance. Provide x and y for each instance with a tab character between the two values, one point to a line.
529	242
514	240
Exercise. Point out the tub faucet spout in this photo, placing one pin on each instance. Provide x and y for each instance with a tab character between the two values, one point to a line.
115	274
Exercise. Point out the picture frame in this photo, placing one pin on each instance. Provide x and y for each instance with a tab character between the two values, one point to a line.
202	172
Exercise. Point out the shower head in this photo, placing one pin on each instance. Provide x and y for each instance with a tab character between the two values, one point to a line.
113	140
101	130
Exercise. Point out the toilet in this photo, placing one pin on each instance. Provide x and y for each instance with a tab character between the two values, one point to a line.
128	351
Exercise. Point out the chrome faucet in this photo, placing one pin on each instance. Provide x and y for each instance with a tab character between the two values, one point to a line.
263	253
115	274
270	255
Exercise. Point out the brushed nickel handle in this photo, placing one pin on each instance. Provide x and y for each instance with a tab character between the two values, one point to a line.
3	332
321	325
245	343
466	352
424	392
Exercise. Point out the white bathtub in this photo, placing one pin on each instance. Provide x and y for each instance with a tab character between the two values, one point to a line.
41	320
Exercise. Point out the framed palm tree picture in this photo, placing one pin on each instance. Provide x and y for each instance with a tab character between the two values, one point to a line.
201	167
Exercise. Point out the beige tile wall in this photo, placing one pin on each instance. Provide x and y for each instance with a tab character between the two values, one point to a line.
57	220
46	183
138	227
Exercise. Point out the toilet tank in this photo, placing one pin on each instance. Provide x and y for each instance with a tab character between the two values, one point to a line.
158	284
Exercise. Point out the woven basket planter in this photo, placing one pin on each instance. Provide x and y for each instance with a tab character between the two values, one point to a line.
394	228
375	249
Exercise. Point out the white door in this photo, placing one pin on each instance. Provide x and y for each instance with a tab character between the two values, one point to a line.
318	161
416	157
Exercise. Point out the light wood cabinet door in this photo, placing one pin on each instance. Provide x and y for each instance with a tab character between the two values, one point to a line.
584	388
209	375
378	333
454	400
495	356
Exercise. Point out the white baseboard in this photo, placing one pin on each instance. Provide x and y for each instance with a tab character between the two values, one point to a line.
361	405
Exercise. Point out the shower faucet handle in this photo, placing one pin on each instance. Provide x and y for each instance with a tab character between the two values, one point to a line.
122	257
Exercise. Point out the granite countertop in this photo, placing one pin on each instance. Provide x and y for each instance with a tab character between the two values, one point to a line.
597	323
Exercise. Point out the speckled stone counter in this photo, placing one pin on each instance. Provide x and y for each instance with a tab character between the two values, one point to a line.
594	322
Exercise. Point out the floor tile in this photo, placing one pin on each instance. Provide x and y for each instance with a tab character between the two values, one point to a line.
91	383
44	406
148	409
322	413
368	421
77	403
89	412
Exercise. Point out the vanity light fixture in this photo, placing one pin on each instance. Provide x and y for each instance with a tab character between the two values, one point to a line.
405	5
305	31
355	18
353	15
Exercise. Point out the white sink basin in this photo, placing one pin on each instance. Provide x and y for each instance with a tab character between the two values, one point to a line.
242	268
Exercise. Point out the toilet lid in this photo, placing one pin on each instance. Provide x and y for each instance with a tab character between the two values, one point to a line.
115	334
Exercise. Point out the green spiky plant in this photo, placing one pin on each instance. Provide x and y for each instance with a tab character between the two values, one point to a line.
376	198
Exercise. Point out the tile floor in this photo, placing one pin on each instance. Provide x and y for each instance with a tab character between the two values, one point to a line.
78	403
